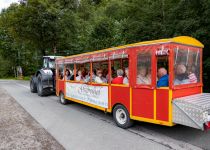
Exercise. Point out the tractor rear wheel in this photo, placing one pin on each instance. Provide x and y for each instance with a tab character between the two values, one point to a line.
33	87
40	90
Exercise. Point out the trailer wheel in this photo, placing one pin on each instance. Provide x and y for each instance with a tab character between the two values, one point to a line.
33	87
62	99
122	117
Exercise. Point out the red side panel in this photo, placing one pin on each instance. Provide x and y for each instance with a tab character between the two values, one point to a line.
143	103
61	85
120	95
185	92
57	88
162	102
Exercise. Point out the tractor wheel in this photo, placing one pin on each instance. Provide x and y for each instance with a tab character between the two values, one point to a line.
40	90
33	87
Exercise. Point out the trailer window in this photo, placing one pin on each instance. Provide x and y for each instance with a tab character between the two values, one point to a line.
69	73
83	72
144	68
119	71
186	67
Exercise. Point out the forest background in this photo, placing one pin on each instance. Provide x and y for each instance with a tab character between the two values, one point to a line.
31	29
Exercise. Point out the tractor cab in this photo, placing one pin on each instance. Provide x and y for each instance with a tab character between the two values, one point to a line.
49	61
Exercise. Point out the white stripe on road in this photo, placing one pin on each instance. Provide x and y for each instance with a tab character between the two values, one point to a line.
23	86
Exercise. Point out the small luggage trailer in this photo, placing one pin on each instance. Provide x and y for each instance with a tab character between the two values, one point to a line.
142	98
192	111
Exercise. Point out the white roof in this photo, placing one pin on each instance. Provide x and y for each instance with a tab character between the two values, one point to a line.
52	57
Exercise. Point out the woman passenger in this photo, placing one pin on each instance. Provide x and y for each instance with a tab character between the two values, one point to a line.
181	76
142	77
79	77
68	75
99	78
125	79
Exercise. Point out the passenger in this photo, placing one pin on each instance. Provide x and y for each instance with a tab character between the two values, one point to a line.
99	78
191	75
119	78
79	77
84	72
67	77
93	76
181	75
105	73
142	77
149	73
72	75
60	75
192	78
71	72
125	79
87	77
163	78
113	73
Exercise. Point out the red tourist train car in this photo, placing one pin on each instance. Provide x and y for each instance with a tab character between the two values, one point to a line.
128	82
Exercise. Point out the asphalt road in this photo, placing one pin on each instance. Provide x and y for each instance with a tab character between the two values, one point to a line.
79	127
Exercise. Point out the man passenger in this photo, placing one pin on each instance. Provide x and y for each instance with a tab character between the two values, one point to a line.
163	78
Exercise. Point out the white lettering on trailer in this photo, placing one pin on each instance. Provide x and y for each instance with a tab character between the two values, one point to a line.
97	95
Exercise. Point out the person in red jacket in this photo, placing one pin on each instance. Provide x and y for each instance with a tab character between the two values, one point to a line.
119	78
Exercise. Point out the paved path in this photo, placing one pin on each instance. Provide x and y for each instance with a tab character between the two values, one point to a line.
18	130
79	127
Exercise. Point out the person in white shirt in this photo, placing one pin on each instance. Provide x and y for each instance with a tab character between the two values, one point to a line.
125	79
99	78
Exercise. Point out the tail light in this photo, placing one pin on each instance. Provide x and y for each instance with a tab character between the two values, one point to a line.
207	125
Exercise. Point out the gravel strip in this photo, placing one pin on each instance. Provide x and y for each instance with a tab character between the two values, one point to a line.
18	130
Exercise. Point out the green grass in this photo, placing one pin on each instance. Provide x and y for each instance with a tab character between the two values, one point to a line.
26	77
13	78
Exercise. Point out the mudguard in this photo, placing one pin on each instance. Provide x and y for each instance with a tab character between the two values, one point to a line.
48	78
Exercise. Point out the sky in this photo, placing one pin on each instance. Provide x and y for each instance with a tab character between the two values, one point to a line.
6	3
